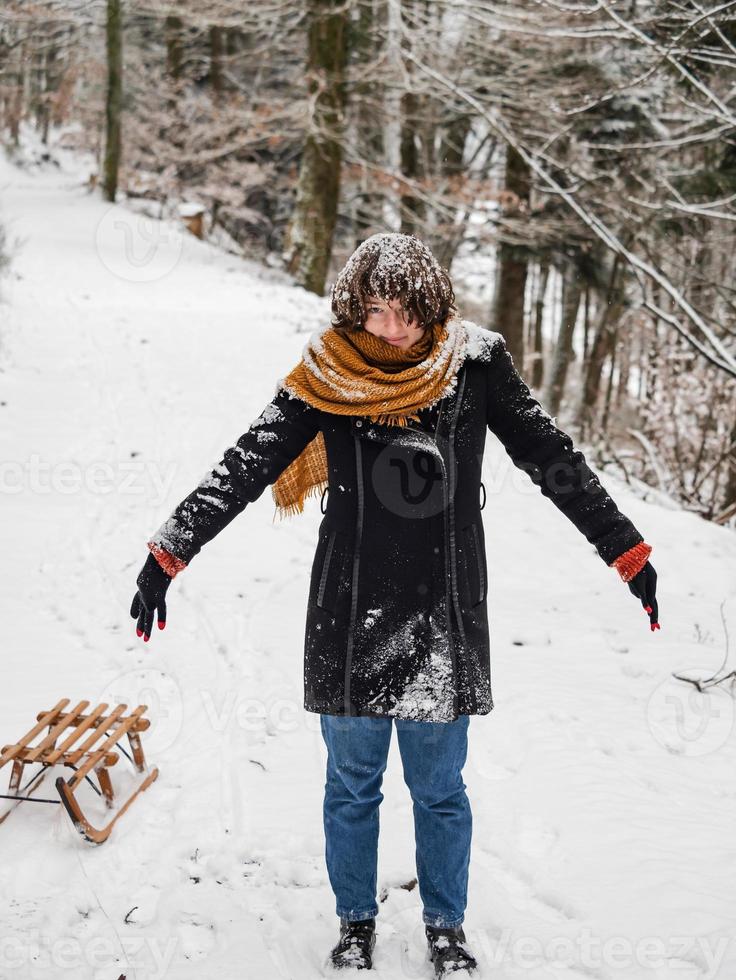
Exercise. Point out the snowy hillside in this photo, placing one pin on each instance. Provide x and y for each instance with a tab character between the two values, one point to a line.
603	790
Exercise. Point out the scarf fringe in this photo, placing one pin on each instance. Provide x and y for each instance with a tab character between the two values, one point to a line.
297	506
388	419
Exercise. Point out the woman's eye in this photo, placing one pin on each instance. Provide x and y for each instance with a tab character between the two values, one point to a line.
375	309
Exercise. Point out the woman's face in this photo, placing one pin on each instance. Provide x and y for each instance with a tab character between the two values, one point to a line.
387	320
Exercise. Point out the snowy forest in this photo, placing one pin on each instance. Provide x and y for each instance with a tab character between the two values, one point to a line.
571	164
181	186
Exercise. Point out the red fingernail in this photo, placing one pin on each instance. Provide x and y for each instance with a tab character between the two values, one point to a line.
647	609
656	626
138	632
161	623
146	638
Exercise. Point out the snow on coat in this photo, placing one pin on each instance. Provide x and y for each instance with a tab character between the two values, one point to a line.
397	621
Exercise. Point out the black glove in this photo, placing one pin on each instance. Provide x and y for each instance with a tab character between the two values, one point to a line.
152	584
644	586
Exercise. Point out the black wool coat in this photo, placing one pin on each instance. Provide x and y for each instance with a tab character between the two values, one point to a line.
397	620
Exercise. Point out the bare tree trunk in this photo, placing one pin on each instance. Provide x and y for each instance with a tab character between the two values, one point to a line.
603	340
369	138
309	245
609	388
508	313
624	370
412	209
571	293
173	30
234	39
448	238
586	321
16	111
48	86
113	103
537	345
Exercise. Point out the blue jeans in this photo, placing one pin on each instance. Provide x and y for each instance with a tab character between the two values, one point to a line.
432	755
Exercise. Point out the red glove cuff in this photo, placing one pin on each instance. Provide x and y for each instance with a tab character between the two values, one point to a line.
170	563
631	562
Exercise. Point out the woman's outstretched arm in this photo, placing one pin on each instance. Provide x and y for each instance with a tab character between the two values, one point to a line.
272	441
536	445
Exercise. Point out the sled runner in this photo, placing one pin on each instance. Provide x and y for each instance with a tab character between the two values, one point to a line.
99	751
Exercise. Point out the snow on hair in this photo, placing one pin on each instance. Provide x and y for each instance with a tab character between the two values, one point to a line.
392	266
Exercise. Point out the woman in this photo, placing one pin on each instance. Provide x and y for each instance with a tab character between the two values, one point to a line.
387	412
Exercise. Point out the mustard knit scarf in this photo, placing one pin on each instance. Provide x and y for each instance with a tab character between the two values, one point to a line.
357	373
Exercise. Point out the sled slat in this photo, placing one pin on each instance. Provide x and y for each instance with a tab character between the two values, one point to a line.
63	722
96	735
79	730
104	721
95	757
110	758
44	719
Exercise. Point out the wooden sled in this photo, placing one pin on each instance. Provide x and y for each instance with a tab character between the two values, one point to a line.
99	751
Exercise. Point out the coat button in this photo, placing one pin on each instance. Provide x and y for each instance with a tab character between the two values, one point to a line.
359	423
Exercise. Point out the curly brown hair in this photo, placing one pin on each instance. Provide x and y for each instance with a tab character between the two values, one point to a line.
392	266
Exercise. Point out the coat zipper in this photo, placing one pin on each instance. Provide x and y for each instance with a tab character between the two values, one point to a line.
479	564
448	583
453	562
356	563
450	564
325	568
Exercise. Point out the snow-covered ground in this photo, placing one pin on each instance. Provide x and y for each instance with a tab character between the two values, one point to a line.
603	790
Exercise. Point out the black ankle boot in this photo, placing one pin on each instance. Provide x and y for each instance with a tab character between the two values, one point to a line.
355	947
448	951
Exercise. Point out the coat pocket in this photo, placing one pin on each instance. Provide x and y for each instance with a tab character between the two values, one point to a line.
329	562
476	572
